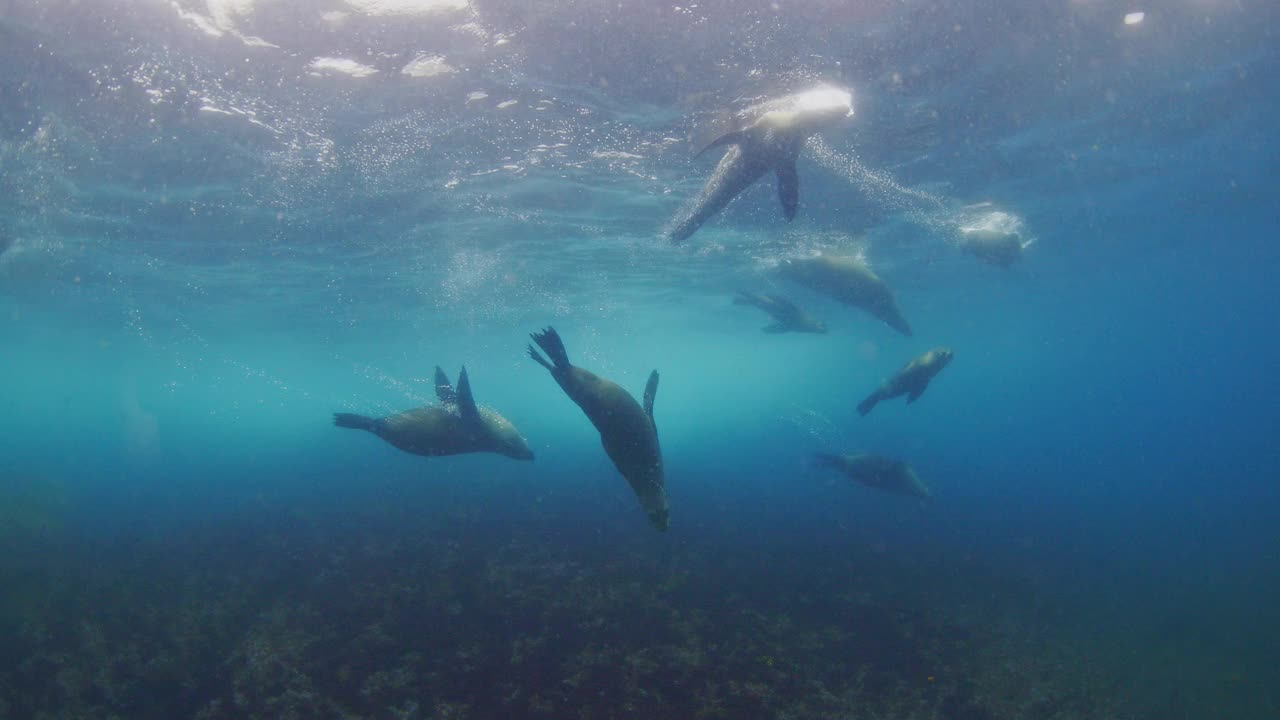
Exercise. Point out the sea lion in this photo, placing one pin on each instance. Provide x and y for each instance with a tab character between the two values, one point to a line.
911	380
455	427
789	316
627	430
876	471
850	281
993	247
770	139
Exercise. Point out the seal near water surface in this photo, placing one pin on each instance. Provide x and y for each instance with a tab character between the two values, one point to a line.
789	317
1001	249
877	471
850	281
627	430
911	380
455	427
771	140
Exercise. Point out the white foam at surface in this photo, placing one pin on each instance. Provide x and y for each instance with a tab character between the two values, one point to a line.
335	18
425	66
407	7
344	66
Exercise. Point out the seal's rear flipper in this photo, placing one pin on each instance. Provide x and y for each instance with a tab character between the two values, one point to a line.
541	360
444	390
551	344
351	420
865	406
466	402
650	392
789	189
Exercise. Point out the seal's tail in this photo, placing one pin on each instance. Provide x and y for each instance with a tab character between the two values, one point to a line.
865	406
551	344
351	420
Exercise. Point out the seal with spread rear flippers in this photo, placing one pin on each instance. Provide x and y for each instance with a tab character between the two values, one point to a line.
789	316
770	140
455	427
627	429
877	471
850	281
911	380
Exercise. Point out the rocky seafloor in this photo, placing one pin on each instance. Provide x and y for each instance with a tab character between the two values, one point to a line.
369	613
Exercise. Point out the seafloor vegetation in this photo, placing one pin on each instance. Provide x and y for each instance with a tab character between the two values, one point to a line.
315	598
369	614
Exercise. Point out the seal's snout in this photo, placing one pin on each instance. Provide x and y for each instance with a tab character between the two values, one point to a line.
661	519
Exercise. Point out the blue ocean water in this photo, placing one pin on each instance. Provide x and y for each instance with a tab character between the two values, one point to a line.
223	221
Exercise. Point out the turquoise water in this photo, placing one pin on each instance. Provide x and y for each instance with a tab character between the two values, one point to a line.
222	222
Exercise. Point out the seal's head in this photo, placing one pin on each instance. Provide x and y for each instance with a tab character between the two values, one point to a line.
824	105
507	440
806	112
516	447
942	356
660	517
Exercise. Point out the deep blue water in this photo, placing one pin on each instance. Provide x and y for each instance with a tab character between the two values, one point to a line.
222	222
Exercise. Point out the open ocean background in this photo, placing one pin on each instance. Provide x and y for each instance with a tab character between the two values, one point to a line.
222	221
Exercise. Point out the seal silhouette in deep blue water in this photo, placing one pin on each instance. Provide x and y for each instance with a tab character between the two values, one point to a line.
455	427
849	280
877	471
911	380
788	317
627	430
770	140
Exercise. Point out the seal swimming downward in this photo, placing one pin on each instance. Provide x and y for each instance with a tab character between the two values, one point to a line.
850	281
770	141
627	430
455	427
789	317
911	380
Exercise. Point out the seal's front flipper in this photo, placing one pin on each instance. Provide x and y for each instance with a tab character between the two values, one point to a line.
466	403
775	328
444	390
734	138
789	188
746	298
916	393
650	392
